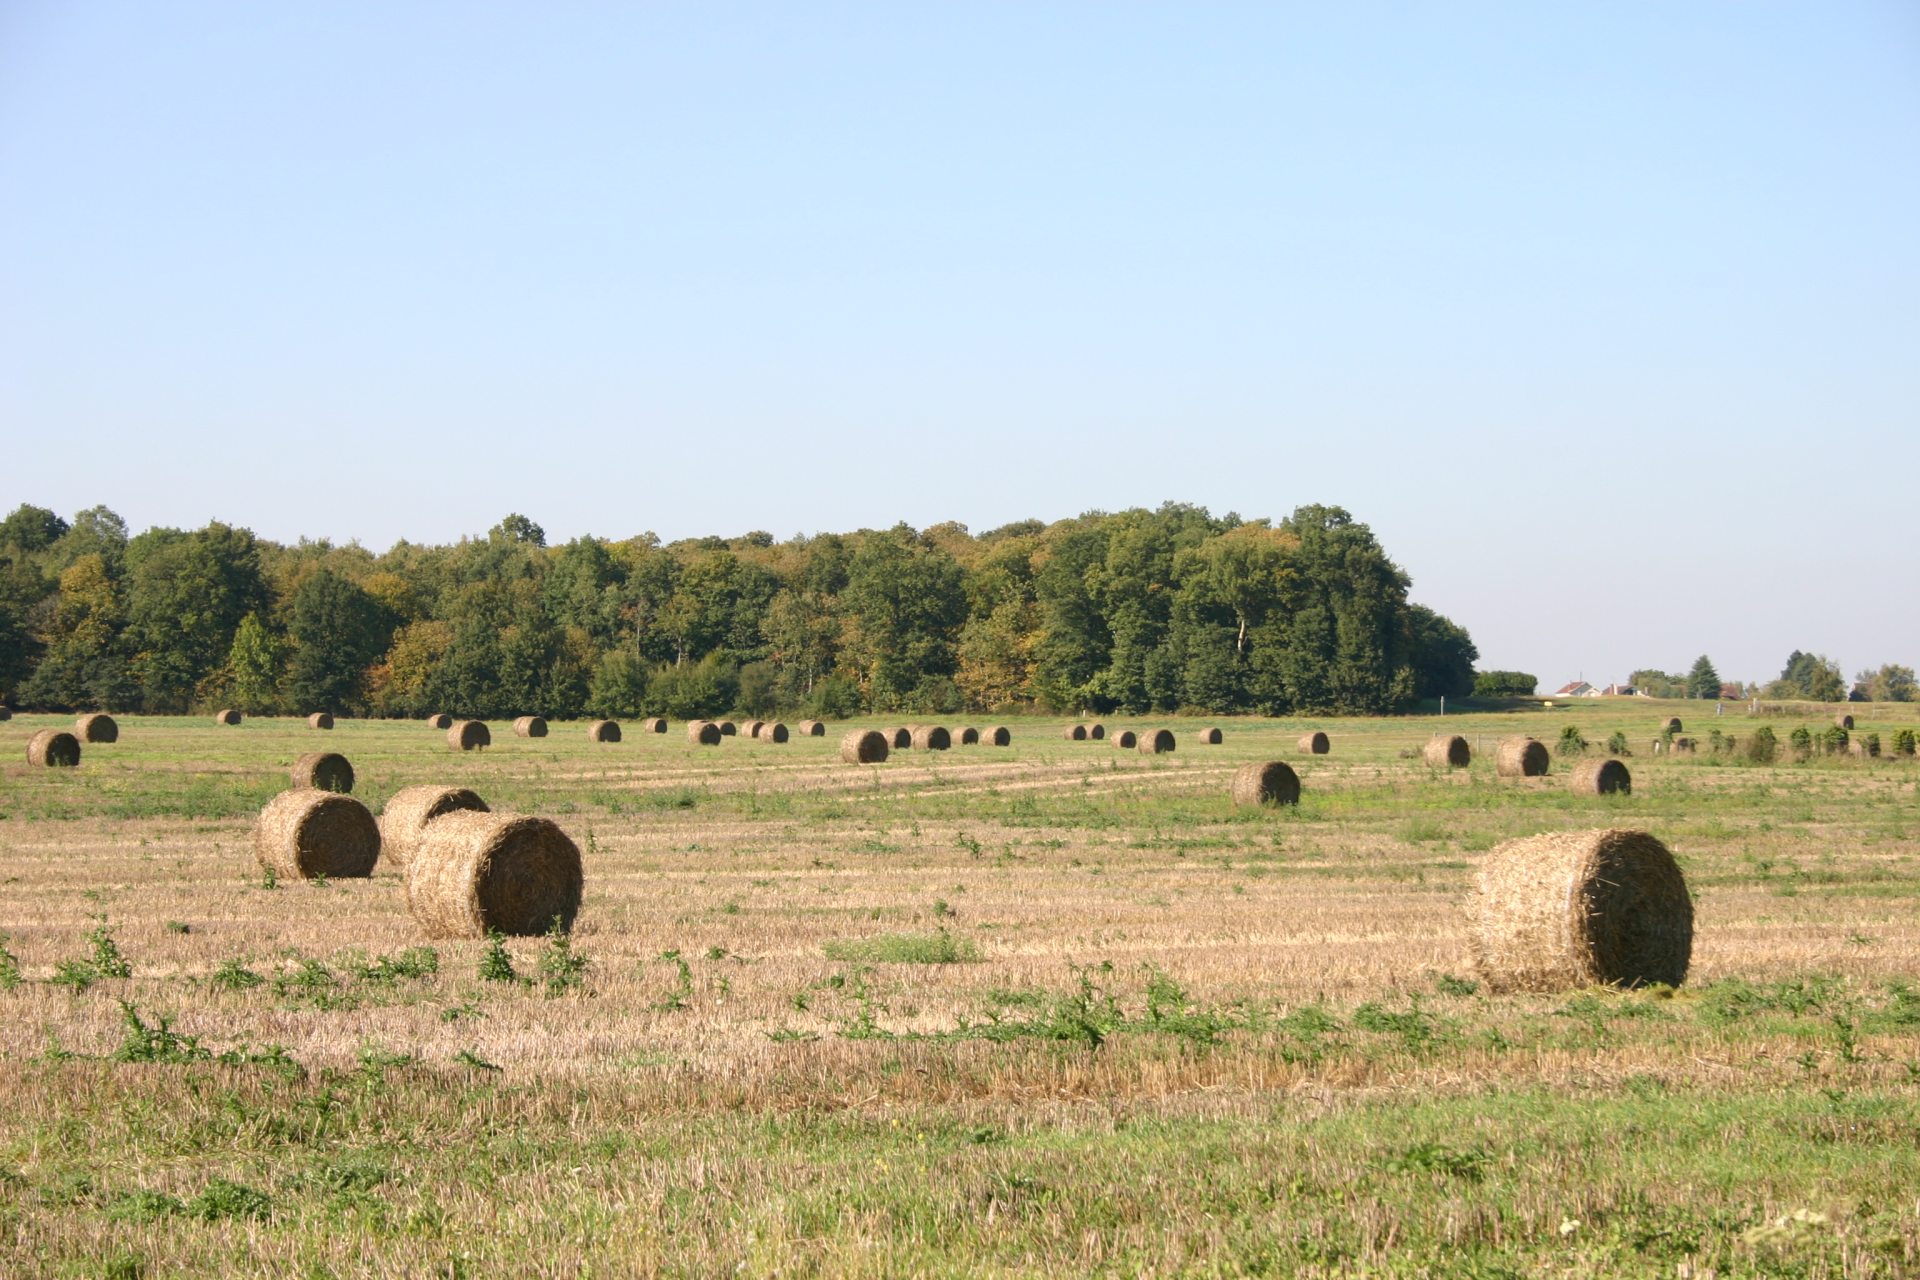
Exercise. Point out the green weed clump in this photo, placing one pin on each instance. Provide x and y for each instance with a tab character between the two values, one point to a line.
9	966
1762	745
903	948
1903	742
1617	744
562	969
1572	742
496	964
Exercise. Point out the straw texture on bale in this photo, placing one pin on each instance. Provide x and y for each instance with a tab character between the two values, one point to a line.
1674	725
728	728
703	733
654	724
530	726
969	736
439	720
1272	782
407	814
53	749
320	720
1156	742
1211	737
999	736
813	729
1126	739
603	731
771	731
467	735
226	715
1842	720
931	737
1681	746
323	771
97	727
1522	758
1448	751
900	738
1601	778
477	873
305	833
1076	733
1096	731
1315	743
751	728
863	746
1575	908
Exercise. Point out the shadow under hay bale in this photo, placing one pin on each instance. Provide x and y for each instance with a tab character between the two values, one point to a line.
407	814
439	720
1156	742
1573	909
53	749
771	731
320	720
703	733
900	739
226	715
478	873
1315	743
813	729
530	726
931	737
1600	778
603	731
1211	737
1273	782
97	727
1447	751
654	724
323	771
1126	739
305	833
1075	733
863	746
469	735
999	736
969	736
1522	758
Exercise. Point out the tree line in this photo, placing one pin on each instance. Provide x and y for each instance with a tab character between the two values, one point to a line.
1806	677
1135	611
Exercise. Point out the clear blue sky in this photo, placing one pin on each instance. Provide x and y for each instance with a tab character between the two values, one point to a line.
1606	317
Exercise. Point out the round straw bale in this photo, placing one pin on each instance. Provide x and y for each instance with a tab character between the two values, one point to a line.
307	832
969	736
1600	778
1155	742
1681	747
1273	782
901	738
813	729
931	737
530	726
751	728
1076	733
226	715
1448	751
1843	720
771	731
1210	737
603	731
703	733
1673	724
1522	758
1096	732
323	771
410	810
1315	743
1573	908
654	724
53	749
478	873
1125	739
320	720
999	735
97	727
439	720
467	735
728	728
863	746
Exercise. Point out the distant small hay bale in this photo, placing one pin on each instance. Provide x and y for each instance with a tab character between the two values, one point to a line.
1674	725
1156	742
812	729
969	736
1076	733
439	720
1096	732
999	736
323	771
603	731
97	727
863	746
469	735
407	814
306	832
320	720
751	728
1273	782
703	733
900	739
1601	778
226	715
1210	737
1682	747
479	873
1315	743
931	737
1447	751
1126	739
771	731
1577	908
1843	720
53	749
1522	758
728	728
654	724
530	726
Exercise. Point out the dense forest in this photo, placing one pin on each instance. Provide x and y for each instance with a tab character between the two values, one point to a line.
1133	611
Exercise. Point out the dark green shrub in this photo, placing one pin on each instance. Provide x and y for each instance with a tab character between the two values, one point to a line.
1571	743
1802	742
1504	684
1872	741
1617	744
1834	740
1903	743
1762	746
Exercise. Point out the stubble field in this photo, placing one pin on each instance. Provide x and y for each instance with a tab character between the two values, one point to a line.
1055	1008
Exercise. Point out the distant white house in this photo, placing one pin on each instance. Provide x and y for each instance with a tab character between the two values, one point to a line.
1621	691
1578	689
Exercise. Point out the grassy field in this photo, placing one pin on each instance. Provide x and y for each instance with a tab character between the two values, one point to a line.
1049	1009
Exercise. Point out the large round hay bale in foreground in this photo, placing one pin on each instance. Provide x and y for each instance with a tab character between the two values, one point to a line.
1125	739
530	726
813	729
323	771
969	736
469	735
97	727
1673	724
1522	758
53	749
1448	751
226	715
1156	742
931	737
728	728
654	724
771	731
1273	782
1211	737
863	746
439	720
478	873
1315	743
901	738
320	720
1076	733
999	736
703	733
603	731
407	814
1576	908
1601	778
305	833
1843	721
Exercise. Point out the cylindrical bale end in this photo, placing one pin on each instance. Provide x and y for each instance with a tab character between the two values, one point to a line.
473	874
1270	783
863	746
305	833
